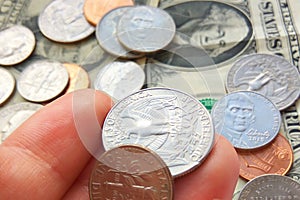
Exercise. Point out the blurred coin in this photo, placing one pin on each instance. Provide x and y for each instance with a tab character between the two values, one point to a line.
270	75
42	80
16	44
94	10
146	29
130	172
120	79
79	78
106	31
63	21
270	187
12	116
7	84
172	123
247	119
275	158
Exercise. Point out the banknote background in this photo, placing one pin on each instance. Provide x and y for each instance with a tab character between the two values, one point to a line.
275	25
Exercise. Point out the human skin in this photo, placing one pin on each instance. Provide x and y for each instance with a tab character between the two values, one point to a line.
46	159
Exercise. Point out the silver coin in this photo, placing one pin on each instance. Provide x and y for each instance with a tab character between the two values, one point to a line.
106	31
247	119
42	80
16	44
12	116
63	21
270	75
120	79
146	29
7	84
172	123
270	186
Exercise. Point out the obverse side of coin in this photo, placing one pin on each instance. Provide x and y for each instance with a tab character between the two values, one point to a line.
94	10
270	75
106	33
130	172
146	29
271	187
172	123
16	44
7	84
274	158
120	79
79	78
247	119
63	21
42	80
12	116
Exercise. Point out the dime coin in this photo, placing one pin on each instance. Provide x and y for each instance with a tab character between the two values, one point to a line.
7	84
94	10
42	80
120	79
12	116
79	78
270	75
274	158
247	119
106	31
270	187
146	29
130	172
16	44
172	123
63	21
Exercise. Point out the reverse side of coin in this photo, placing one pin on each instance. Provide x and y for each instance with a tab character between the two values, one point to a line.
274	158
247	119
106	33
12	116
63	21
7	84
172	123
42	80
120	79
270	187
16	44
270	75
146	29
130	172
94	10
79	78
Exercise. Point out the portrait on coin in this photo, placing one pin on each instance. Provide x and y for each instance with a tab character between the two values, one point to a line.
221	30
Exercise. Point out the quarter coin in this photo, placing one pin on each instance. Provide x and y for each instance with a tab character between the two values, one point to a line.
7	84
170	122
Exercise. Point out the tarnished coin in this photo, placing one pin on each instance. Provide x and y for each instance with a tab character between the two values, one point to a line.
42	80
12	116
274	158
270	75
172	123
247	119
120	79
146	29
16	44
130	172
94	10
63	21
106	33
79	78
7	84
271	187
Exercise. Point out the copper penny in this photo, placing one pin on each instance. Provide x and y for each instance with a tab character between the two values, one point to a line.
130	172
79	78
275	158
94	10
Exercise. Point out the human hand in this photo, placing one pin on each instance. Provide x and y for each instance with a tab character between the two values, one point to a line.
47	158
